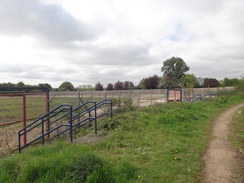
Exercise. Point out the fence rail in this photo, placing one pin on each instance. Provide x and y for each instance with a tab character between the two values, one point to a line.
139	97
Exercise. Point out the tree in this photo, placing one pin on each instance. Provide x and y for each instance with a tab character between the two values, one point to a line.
240	85
128	85
98	86
169	81
176	67
20	84
118	85
141	85
85	87
66	86
229	82
45	85
110	86
199	82
9	84
210	82
151	82
173	71
189	80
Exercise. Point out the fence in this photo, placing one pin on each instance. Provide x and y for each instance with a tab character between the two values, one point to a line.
139	97
22	107
11	107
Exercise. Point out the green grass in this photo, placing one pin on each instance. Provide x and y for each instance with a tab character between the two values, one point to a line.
159	143
237	137
11	107
237	129
62	162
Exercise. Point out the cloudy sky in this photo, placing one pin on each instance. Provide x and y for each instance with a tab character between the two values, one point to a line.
81	41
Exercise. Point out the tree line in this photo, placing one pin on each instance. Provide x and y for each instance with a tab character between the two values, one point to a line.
174	76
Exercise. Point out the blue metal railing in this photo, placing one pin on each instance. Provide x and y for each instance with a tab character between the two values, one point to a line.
45	119
198	97
76	119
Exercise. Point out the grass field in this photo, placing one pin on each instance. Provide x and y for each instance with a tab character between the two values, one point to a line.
11	107
159	143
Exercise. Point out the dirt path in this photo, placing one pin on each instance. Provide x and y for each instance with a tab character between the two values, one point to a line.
221	157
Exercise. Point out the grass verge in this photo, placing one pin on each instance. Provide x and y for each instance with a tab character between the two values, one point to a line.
237	137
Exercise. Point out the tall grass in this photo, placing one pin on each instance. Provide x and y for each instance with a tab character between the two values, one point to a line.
159	143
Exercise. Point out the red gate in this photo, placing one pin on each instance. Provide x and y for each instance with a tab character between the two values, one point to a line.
16	105
174	95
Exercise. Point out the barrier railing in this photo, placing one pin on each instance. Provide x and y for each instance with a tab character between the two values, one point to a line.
75	118
45	119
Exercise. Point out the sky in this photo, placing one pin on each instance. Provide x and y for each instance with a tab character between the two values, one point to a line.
85	42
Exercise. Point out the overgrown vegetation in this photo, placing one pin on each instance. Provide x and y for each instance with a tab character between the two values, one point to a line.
159	143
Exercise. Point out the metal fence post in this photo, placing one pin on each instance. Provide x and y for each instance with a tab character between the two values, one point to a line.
138	98
151	96
78	97
119	99
105	105
167	95
24	118
95	125
71	124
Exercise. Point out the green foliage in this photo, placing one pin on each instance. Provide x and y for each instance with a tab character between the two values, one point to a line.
173	71
237	137
20	84
87	87
229	82
237	130
168	81
123	105
175	67
141	85
66	86
189	80
45	85
62	162
240	85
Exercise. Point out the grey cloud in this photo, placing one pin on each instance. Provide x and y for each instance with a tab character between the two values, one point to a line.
6	68
118	55
48	22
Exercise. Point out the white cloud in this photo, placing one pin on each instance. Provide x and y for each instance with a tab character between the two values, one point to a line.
89	41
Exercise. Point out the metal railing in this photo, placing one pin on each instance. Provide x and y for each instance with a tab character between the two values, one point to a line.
198	97
45	119
76	118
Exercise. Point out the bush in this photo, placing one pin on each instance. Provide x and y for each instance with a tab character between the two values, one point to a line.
124	105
